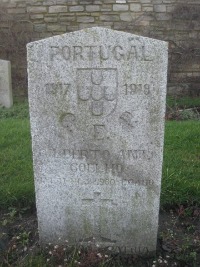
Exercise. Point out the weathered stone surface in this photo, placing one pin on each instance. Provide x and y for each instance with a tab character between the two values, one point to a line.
106	7
56	27
109	17
160	8
6	99
37	9
16	10
40	27
97	104
145	1
126	16
85	19
92	8
120	7
121	1
166	16
37	16
51	19
147	8
135	7
58	9
76	8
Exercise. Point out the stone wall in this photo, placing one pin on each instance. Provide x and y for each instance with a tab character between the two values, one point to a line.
175	21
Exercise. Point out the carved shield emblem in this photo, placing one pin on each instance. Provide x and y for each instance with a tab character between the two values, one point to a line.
98	88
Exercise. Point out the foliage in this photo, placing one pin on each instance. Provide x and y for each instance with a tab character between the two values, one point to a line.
189	114
183	102
19	110
183	108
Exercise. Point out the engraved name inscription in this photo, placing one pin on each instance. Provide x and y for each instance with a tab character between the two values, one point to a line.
103	53
96	168
97	154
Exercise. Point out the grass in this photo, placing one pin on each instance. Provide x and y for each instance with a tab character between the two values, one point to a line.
183	102
16	174
18	111
181	170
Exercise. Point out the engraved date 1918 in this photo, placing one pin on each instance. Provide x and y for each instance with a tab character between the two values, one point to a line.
132	89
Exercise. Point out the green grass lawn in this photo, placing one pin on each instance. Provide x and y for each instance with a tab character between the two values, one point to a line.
16	171
181	170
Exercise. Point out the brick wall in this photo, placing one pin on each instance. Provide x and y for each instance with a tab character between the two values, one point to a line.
176	21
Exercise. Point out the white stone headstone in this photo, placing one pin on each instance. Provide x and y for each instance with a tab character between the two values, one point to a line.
6	99
97	105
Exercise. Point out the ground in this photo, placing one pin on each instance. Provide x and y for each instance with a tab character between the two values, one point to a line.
179	227
178	243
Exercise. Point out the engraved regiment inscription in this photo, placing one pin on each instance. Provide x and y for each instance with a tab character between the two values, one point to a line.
97	103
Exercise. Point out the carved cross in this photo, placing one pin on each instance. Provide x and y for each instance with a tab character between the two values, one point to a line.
97	202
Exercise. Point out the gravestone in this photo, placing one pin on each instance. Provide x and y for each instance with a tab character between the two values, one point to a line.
97	106
6	99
